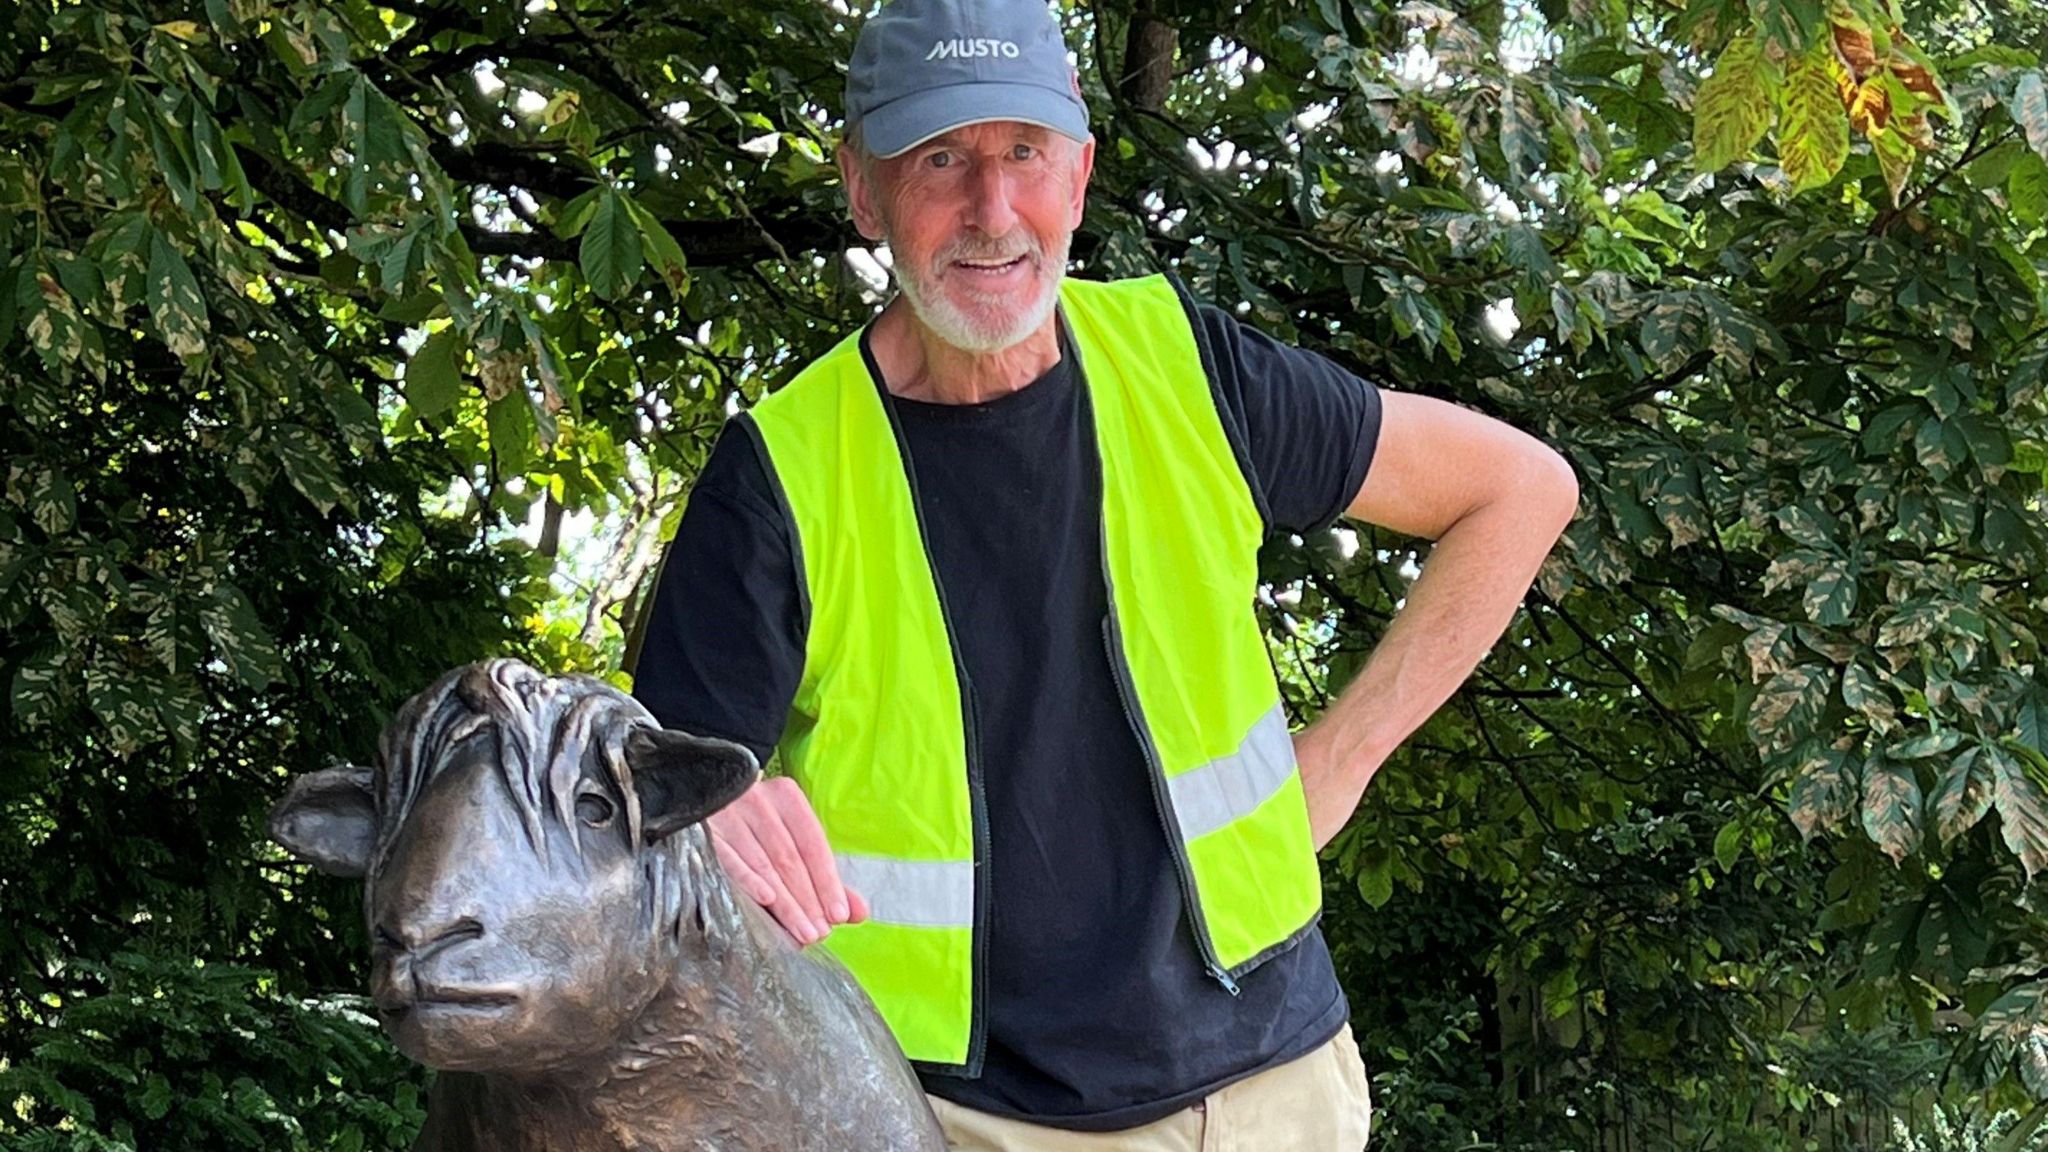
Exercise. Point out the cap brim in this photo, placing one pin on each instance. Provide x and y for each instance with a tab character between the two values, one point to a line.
899	126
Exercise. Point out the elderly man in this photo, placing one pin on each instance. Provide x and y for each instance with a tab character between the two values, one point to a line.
984	574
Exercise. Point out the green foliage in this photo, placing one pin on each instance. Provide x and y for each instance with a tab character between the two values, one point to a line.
2006	1132
179	1054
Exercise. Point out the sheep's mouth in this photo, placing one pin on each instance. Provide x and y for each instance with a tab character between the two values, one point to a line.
454	1000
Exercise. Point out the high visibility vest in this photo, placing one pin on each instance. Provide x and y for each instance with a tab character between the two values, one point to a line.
881	735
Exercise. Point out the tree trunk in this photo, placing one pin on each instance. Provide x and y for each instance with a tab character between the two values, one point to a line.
1148	61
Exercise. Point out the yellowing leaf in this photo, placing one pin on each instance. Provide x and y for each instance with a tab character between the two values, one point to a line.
1813	133
186	30
1733	107
1868	105
1895	155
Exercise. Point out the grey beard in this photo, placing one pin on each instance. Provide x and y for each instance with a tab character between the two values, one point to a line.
957	330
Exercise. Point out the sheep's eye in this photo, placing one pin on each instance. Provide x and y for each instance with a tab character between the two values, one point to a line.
595	809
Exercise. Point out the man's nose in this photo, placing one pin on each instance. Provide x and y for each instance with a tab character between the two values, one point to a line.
989	206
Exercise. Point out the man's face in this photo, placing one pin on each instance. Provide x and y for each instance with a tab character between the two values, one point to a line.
978	222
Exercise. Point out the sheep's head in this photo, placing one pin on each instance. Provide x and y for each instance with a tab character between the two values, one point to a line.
531	862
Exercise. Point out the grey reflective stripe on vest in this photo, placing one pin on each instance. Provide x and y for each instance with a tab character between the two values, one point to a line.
1230	787
921	893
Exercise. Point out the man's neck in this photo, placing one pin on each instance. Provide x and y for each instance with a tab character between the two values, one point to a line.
917	365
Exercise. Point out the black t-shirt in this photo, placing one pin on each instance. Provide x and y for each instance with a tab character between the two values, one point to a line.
1100	1015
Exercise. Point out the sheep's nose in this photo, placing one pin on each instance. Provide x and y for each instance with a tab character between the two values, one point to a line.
422	940
401	946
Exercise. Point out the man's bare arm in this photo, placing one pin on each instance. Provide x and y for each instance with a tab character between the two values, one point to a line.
1495	500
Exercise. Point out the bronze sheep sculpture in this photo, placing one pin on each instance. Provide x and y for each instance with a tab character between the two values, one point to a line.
551	932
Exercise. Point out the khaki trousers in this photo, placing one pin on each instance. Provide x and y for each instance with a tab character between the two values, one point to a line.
1317	1103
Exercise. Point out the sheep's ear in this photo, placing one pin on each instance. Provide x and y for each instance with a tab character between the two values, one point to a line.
329	820
681	778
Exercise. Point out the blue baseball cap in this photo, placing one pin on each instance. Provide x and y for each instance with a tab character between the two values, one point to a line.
921	68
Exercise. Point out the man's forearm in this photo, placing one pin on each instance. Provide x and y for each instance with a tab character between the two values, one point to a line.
1470	586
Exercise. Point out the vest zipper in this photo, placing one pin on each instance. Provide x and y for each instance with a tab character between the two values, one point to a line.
977	1024
977	1029
1127	696
1112	641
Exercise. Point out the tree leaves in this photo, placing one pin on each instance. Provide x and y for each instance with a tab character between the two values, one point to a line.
662	248
2027	189
1524	141
36	696
175	303
310	465
1863	692
1813	132
1787	706
433	379
1891	807
125	703
1963	794
374	132
239	639
1734	105
2014	1028
1823	793
1830	597
1895	156
1790	25
47	493
2022	803
611	253
2029	107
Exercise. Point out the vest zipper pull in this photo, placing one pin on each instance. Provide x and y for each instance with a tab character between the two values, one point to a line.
1224	979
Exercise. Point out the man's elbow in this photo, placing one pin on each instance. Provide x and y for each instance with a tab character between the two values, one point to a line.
1552	487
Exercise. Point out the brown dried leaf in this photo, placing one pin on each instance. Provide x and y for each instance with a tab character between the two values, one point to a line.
1869	106
1853	45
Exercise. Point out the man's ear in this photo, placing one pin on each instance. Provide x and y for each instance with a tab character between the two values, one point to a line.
681	779
860	192
329	820
1084	167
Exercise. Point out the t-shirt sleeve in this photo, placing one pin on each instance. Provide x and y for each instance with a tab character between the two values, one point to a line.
723	649
1304	428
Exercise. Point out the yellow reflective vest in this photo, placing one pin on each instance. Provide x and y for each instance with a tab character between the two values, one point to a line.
881	733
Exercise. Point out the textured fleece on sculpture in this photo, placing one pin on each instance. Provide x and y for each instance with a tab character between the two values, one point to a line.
551	930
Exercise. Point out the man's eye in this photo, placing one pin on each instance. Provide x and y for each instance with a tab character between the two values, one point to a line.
939	159
1024	152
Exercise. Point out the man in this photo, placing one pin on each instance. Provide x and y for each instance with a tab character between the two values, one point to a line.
984	574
